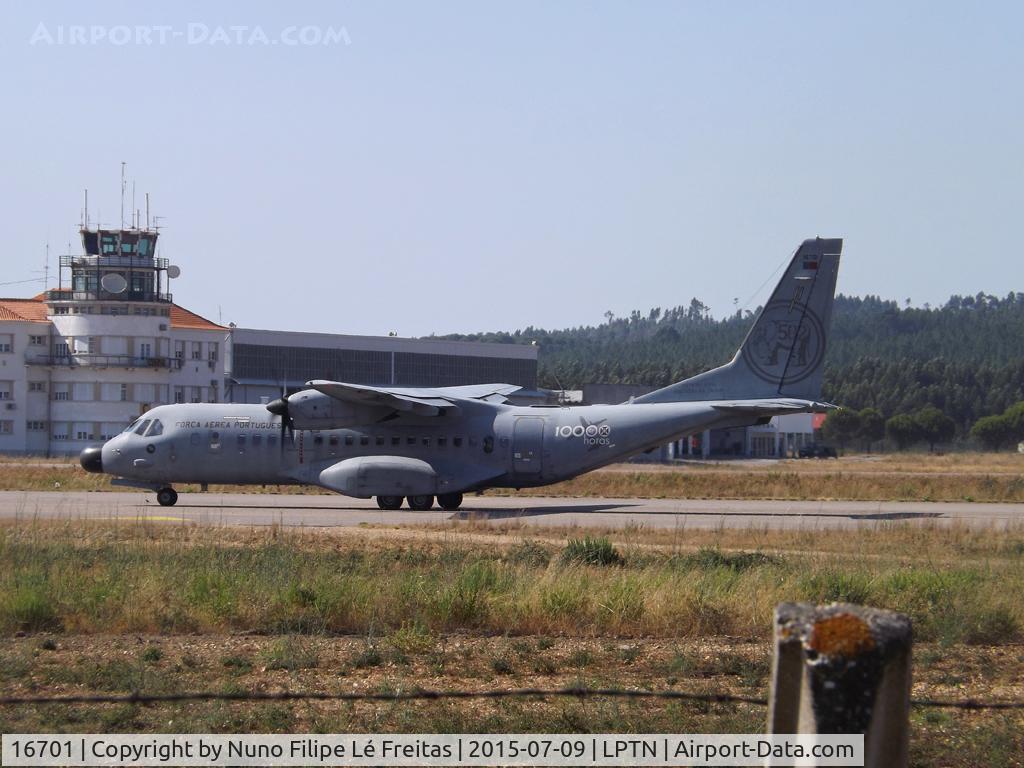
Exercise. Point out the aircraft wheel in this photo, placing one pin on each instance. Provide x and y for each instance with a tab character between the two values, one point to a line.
421	503
450	501
167	497
389	502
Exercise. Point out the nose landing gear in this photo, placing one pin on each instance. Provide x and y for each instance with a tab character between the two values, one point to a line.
167	497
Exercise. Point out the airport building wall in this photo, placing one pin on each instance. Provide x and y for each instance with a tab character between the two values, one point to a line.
260	362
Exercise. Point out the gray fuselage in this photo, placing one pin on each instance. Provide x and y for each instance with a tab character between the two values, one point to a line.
484	445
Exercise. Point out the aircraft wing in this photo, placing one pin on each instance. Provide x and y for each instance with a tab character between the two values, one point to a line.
492	393
421	404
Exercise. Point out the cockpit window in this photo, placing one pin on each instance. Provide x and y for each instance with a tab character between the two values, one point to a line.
131	427
156	428
142	427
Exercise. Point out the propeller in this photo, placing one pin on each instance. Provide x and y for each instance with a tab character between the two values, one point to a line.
279	407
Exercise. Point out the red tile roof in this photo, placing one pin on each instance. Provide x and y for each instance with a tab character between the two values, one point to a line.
35	310
30	310
182	318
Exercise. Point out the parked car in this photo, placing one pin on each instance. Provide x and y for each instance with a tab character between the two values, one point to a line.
817	451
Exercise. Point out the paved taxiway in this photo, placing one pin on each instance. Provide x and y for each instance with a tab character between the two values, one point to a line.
339	511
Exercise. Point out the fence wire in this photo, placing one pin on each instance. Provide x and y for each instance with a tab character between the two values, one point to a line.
428	695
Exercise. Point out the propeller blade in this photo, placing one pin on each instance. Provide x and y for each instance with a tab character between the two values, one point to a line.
279	407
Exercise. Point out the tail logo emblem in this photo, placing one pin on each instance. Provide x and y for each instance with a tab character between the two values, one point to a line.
788	344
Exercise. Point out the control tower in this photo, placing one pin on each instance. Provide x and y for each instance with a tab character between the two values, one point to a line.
116	266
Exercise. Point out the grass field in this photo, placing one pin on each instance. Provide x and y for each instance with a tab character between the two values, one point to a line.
160	608
985	477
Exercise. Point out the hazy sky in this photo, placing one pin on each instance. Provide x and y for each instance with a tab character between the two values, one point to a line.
446	167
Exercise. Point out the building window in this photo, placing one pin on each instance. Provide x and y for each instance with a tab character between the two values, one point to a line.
197	350
179	350
5	390
61	394
37	341
36	426
82	435
124	393
213	352
37	386
179	394
6	427
145	349
60	349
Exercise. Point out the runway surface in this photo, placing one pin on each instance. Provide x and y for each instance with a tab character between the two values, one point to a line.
340	511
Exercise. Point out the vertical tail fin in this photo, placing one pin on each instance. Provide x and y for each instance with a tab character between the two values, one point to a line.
783	355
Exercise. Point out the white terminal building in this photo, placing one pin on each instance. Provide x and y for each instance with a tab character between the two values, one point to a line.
80	362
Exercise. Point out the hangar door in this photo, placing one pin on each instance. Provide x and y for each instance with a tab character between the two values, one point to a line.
528	446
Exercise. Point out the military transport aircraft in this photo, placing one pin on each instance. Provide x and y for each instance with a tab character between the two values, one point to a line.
417	444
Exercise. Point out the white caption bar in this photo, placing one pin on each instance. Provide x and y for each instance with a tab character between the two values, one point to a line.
428	749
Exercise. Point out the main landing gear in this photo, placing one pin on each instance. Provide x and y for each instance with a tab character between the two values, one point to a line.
167	497
421	503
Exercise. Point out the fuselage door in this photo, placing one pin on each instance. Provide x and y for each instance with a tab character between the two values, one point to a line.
528	446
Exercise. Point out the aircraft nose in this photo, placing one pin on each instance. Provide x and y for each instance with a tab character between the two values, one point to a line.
92	459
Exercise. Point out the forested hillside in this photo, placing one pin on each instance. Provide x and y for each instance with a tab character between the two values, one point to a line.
966	357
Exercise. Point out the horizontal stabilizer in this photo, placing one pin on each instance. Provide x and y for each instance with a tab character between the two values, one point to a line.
777	406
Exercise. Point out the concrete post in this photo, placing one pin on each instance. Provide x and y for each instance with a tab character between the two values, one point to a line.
843	669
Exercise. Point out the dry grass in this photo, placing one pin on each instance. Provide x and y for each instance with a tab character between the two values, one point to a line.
959	586
990	477
412	658
91	606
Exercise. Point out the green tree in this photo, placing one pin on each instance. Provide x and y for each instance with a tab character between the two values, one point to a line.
936	427
841	426
993	432
903	430
872	426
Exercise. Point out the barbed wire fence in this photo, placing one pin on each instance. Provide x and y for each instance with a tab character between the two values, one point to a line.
430	695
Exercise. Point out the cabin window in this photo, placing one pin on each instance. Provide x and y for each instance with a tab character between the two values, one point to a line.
364	440
142	427
215	441
488	444
271	440
155	428
241	443
257	440
442	442
318	440
196	438
333	440
457	442
396	440
349	440
426	442
380	439
410	441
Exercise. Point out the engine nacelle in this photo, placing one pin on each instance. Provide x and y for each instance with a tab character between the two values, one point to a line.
310	409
